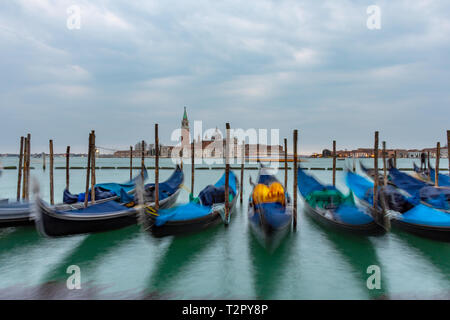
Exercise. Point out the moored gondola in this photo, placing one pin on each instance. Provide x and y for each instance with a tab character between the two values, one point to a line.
205	211
419	191
429	176
371	173
404	213
107	215
14	214
269	209
328	206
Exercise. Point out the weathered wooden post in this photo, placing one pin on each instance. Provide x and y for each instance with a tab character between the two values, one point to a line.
192	167
24	168
67	167
19	173
384	164
93	166
26	174
156	168
354	162
131	163
436	169
29	165
142	160
242	171
43	161
428	164
181	158
334	163
52	192
375	168
88	171
395	158
227	174
295	179
285	165
448	150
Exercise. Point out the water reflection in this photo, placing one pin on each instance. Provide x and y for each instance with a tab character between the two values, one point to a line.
182	251
90	250
359	252
438	253
268	266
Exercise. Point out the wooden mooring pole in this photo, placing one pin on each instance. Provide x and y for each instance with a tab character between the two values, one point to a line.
19	173
156	168
436	169
294	192
242	172
93	167
43	161
227	173
24	168
67	167
448	150
395	158
384	164
88	171
52	192
354	162
334	163
28	165
285	165
375	168
131	163
192	167
142	160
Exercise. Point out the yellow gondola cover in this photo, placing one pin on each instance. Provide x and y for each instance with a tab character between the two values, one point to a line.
263	193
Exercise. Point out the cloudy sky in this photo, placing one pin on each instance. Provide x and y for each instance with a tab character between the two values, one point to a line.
284	64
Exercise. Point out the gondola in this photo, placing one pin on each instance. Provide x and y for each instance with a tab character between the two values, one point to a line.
207	210
405	213
105	191
107	215
421	192
371	173
331	208
269	209
429	177
14	214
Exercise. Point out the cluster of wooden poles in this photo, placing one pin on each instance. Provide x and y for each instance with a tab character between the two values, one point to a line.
24	168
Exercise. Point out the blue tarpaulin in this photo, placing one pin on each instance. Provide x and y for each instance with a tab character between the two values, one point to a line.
192	210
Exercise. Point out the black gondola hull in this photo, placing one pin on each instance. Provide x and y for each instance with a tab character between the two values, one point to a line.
369	229
172	228
55	225
435	233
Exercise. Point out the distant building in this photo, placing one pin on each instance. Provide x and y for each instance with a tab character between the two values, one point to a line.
326	153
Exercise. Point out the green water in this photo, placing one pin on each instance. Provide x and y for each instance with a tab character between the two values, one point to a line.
220	263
